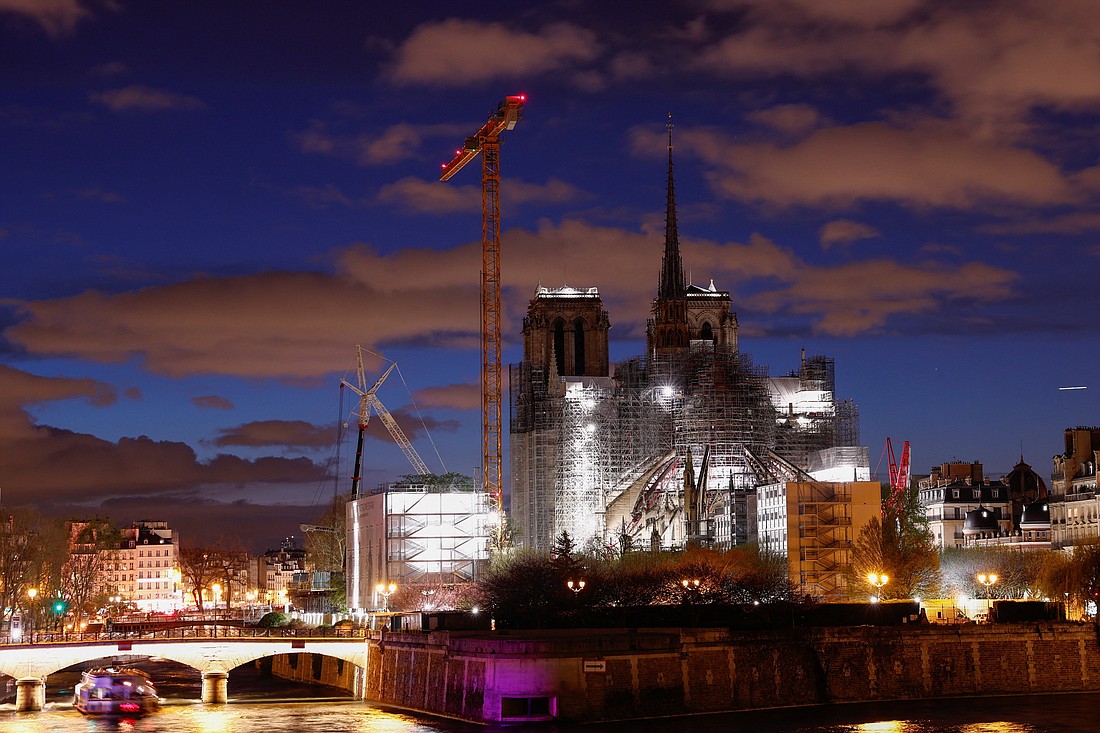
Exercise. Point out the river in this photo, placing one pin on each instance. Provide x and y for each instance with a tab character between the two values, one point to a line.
266	705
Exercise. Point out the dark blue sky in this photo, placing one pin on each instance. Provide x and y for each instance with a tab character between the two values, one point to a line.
205	206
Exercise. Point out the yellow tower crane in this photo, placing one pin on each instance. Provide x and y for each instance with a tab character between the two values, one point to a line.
487	142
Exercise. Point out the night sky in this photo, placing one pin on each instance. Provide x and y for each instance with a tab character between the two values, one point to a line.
206	205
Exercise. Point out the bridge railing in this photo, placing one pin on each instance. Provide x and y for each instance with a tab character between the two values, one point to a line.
196	631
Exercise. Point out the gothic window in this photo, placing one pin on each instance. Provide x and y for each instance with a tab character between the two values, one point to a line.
578	347
707	333
559	345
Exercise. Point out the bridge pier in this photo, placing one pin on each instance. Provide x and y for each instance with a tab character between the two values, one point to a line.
30	694
215	687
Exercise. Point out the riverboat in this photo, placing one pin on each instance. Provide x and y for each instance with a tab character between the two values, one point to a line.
114	691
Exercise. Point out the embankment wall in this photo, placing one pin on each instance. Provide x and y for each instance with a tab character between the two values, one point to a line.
583	675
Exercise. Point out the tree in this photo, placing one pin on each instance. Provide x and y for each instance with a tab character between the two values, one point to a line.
89	544
325	545
31	556
902	550
199	570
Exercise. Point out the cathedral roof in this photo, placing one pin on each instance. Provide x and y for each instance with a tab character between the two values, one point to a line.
698	291
566	292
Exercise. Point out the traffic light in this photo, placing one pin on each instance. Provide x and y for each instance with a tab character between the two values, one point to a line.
60	606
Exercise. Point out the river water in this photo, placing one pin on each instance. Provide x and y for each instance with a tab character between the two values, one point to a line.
267	705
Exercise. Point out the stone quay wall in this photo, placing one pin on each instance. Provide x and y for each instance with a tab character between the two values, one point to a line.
595	675
316	669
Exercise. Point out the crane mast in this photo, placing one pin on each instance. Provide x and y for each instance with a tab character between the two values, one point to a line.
487	142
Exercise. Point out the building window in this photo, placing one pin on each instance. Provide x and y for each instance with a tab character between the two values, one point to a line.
559	346
955	495
578	347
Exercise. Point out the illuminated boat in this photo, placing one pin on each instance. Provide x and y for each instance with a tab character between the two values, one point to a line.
113	691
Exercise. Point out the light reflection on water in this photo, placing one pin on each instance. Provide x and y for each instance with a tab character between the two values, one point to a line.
1030	714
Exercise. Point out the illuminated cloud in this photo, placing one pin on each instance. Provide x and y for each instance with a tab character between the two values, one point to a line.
294	325
992	62
845	231
137	98
282	433
212	402
391	145
788	119
433	197
1070	224
47	463
458	52
845	165
450	396
56	17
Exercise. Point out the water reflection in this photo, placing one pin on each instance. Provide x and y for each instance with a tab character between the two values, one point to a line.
884	726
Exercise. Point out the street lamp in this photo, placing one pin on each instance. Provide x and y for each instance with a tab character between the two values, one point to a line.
386	590
877	580
576	587
987	581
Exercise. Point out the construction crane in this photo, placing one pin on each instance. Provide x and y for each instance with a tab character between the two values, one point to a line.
368	400
899	480
487	142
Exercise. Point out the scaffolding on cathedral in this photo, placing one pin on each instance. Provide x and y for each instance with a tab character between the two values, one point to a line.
604	459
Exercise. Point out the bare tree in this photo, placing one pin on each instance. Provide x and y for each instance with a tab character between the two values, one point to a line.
82	573
28	559
199	570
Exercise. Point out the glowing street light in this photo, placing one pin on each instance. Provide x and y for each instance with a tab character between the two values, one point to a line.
987	580
877	580
386	590
576	587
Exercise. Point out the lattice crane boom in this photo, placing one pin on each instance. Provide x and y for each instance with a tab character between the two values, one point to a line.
899	477
368	400
487	142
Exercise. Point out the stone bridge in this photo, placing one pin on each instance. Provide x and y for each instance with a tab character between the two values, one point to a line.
30	664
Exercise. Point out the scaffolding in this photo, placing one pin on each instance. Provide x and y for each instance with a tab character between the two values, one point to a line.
583	445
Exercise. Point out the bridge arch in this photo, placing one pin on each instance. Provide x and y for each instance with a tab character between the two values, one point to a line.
213	658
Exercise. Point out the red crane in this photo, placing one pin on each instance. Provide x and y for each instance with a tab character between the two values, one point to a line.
487	142
899	479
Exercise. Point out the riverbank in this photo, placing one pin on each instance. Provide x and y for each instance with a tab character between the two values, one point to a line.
605	675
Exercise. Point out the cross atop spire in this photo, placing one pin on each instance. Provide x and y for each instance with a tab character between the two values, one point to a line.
672	267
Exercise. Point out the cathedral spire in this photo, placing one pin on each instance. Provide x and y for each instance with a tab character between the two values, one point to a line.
672	267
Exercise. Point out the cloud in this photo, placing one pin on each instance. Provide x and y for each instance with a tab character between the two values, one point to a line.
788	119
212	402
993	62
283	433
392	145
845	231
842	166
19	389
450	396
1069	224
56	17
43	463
295	325
433	197
275	324
458	52
139	98
864	297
